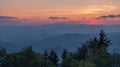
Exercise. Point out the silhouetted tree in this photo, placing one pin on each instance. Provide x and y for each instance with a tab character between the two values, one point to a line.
45	55
53	57
80	54
26	58
64	54
3	52
103	40
98	52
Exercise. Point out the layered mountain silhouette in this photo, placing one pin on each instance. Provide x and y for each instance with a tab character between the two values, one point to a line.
56	36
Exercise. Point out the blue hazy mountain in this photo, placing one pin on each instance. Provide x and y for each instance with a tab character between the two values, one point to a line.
56	36
59	42
72	41
9	46
25	34
68	41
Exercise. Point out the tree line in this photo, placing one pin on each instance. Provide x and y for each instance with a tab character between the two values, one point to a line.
93	53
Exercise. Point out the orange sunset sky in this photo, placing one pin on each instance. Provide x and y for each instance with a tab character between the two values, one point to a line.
70	11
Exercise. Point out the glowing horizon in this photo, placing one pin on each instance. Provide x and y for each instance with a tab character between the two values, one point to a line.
84	12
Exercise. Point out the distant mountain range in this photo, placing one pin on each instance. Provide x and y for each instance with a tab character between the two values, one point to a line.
56	36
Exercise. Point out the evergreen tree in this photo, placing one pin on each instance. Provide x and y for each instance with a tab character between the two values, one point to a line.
93	44
3	52
26	58
103	40
45	55
80	54
64	54
53	57
103	44
97	52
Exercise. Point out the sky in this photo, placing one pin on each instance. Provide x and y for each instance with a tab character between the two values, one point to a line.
60	11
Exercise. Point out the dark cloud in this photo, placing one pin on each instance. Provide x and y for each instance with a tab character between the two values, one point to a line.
8	20
8	17
56	18
109	16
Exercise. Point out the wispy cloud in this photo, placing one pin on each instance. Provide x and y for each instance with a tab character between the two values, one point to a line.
57	18
8	20
109	16
8	17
